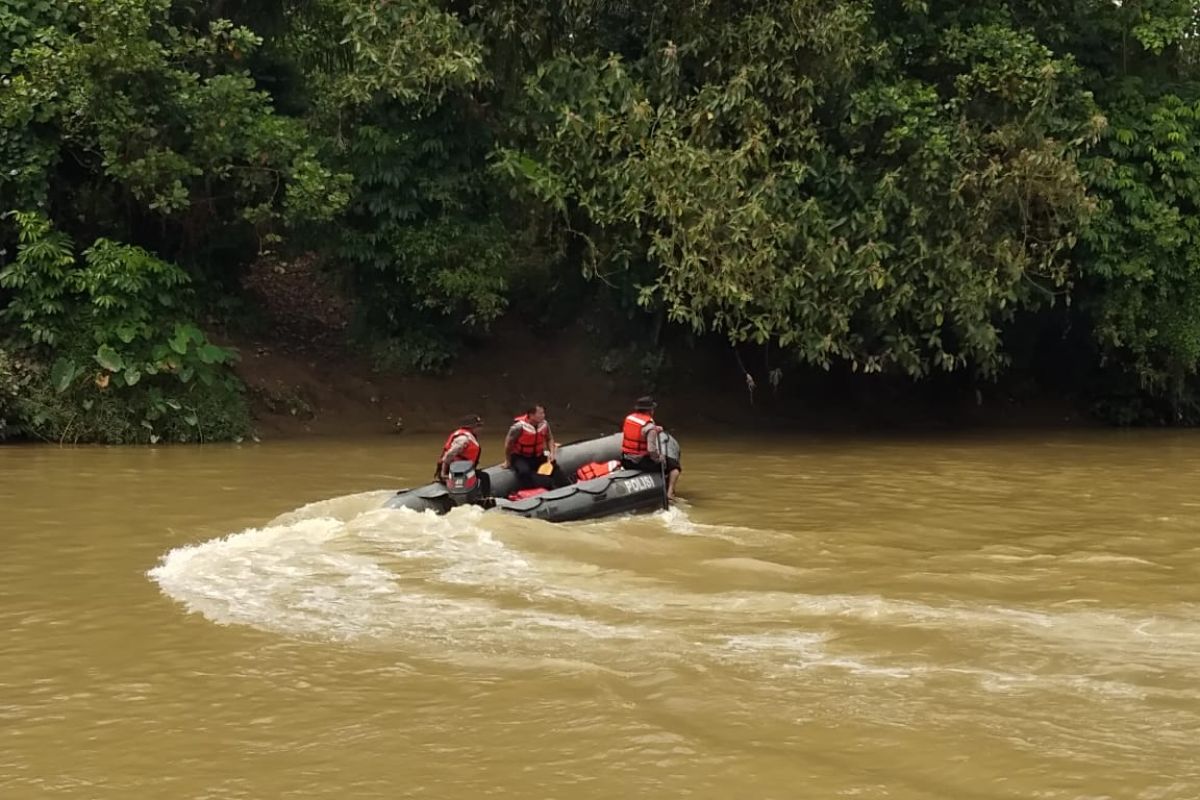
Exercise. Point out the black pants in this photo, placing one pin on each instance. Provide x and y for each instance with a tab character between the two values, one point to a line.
526	468
648	464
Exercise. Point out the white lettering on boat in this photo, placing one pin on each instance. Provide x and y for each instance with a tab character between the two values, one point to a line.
639	484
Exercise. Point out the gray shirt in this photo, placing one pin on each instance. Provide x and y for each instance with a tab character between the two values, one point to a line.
650	434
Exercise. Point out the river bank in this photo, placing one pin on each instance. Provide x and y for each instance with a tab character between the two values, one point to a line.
297	390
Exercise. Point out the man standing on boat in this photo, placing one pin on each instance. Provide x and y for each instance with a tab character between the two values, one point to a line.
646	447
531	452
463	445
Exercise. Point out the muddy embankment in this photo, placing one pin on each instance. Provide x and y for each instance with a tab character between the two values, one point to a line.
305	379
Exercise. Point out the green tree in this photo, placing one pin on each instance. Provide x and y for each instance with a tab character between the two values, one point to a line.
139	120
795	174
423	243
136	125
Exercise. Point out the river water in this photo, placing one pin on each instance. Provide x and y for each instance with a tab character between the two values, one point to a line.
1006	617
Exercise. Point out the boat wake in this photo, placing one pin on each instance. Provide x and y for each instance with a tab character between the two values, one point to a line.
616	594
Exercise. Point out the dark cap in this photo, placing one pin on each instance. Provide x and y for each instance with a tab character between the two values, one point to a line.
470	421
645	404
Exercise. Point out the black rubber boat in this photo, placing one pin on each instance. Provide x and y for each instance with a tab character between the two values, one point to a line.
621	492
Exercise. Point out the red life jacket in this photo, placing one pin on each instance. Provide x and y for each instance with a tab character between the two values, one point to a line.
633	443
597	469
531	441
524	494
471	452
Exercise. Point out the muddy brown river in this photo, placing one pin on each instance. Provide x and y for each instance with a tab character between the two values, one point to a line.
961	618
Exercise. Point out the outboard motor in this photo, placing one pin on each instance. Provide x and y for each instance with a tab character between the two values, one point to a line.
462	484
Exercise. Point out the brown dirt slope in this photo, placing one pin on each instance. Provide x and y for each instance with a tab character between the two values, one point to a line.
297	390
304	380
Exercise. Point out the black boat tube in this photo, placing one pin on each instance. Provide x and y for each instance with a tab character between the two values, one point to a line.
434	497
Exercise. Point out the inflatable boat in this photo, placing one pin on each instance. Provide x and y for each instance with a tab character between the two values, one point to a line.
619	492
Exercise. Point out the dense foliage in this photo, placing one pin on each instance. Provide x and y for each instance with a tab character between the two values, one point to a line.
898	186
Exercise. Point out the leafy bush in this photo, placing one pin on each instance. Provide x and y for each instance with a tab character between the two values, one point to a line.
147	414
418	352
1142	258
10	392
126	364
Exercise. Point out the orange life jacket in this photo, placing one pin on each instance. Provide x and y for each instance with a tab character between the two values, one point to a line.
633	443
531	441
471	452
596	469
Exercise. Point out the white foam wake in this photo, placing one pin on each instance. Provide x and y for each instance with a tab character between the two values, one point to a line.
472	583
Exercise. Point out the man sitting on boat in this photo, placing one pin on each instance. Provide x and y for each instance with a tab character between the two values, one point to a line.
530	451
645	447
463	445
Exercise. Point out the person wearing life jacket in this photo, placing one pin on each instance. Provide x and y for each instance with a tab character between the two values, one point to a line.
463	445
530	445
641	444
